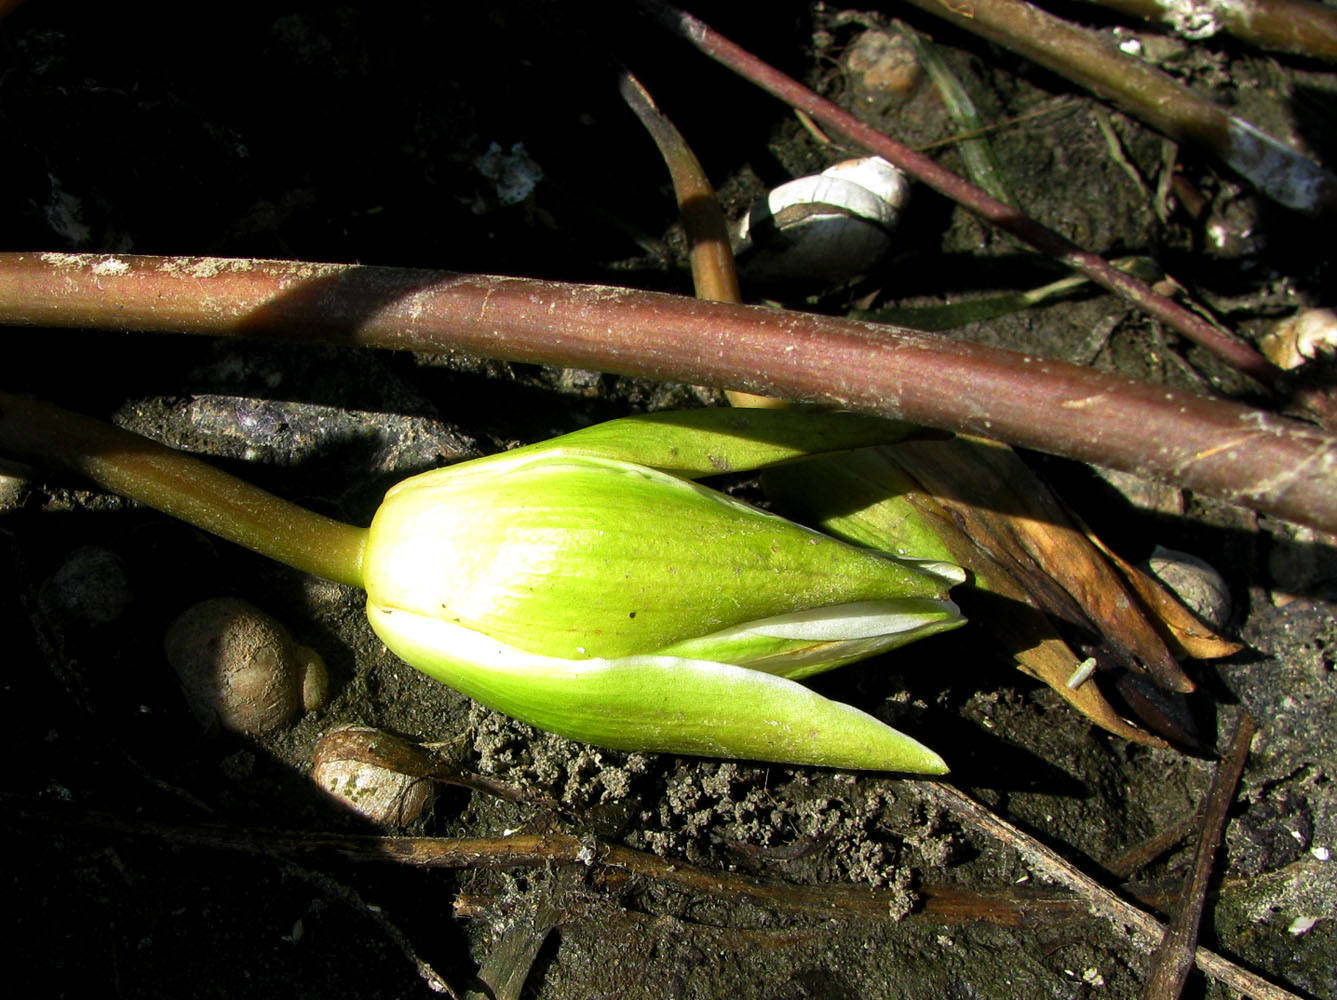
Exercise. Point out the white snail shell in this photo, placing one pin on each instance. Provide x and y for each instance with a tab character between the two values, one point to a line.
830	226
241	669
374	773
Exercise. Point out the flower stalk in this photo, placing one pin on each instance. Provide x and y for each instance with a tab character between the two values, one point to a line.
182	486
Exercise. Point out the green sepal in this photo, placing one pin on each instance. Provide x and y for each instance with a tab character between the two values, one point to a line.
653	703
696	443
864	499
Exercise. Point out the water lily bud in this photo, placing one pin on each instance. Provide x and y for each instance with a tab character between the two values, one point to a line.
609	602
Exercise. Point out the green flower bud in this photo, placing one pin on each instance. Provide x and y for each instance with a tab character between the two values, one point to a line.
617	604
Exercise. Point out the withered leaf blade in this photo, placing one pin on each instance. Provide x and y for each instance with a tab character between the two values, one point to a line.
1185	633
1011	513
867	498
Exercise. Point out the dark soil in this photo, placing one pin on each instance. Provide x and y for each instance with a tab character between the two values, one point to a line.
351	132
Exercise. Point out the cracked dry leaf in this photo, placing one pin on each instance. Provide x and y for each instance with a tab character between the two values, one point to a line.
1012	513
1186	635
974	502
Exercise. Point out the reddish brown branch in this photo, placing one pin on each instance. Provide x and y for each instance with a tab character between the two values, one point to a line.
1174	958
1142	928
1243	455
947	904
1005	217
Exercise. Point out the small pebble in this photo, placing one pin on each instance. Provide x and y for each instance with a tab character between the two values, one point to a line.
883	64
240	668
91	586
1195	582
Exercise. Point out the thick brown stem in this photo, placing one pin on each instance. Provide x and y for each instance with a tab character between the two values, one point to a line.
1234	452
1301	27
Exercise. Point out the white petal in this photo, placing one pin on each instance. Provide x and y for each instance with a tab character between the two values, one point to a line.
860	620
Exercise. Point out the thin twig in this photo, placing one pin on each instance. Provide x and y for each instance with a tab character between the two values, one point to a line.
1239	454
1132	859
1050	107
1169	968
353	899
947	904
1095	63
1236	352
1144	930
556	849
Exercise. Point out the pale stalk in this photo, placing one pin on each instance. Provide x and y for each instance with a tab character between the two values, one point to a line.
183	486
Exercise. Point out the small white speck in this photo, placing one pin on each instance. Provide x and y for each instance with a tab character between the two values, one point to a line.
111	265
1083	673
1322	853
1302	925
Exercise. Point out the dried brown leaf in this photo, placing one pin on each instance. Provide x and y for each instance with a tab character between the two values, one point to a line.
1011	513
1185	633
867	498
